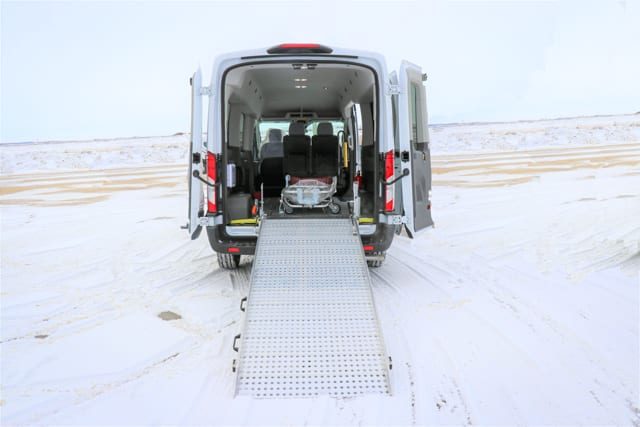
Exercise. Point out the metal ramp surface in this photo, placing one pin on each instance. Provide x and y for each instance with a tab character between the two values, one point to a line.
310	326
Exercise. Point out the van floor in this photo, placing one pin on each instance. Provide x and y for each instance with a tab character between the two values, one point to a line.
272	210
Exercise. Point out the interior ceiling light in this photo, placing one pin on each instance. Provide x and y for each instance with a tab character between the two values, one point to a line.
301	86
300	80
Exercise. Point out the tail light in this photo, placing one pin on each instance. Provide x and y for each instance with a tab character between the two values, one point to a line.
389	202
358	180
299	48
212	170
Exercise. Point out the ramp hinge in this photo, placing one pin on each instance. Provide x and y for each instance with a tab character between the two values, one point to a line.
205	90
393	90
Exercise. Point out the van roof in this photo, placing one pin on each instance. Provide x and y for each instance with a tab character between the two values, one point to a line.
300	50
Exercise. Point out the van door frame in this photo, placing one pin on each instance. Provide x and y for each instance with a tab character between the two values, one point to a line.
220	116
196	159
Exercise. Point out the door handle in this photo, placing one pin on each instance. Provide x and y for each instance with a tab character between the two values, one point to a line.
196	175
405	172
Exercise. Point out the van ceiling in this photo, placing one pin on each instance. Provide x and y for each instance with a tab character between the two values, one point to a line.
270	90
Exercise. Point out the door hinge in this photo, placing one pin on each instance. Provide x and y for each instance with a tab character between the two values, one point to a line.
206	221
205	90
393	219
393	90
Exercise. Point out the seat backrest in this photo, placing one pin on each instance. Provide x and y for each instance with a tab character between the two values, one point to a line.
271	174
270	150
274	135
297	151
325	151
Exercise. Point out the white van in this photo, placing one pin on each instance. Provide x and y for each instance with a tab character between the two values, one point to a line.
300	130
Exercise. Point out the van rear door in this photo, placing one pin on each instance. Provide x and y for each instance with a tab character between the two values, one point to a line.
413	134
196	195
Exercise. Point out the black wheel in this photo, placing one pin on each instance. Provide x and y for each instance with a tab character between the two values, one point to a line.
228	261
334	208
375	263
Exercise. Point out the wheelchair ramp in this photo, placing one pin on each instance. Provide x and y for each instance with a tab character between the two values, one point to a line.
311	326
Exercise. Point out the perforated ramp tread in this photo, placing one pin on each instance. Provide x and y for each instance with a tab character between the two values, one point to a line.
311	326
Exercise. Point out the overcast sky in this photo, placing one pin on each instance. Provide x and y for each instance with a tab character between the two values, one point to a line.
78	70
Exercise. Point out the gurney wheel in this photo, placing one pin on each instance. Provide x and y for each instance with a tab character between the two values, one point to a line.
288	210
334	208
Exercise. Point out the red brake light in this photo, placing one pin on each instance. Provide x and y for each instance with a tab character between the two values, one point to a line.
358	179
388	176
368	248
212	203
233	250
299	48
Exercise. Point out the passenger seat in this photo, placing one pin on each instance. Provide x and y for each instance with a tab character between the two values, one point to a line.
326	151
297	151
271	158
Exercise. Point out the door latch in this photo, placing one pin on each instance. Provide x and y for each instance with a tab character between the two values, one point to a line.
404	156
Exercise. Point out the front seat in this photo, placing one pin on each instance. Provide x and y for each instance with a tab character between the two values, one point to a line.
297	151
325	149
271	157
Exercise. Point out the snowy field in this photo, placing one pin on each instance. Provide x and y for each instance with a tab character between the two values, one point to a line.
521	307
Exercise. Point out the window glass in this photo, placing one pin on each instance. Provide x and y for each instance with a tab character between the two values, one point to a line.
312	126
394	113
241	133
413	112
283	125
265	125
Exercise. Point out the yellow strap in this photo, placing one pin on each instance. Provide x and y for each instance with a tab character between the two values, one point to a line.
365	220
345	155
244	221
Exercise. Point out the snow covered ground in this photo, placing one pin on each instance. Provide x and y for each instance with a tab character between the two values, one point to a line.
522	306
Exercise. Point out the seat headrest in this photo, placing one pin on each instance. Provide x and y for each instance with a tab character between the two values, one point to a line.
325	128
270	150
296	128
274	135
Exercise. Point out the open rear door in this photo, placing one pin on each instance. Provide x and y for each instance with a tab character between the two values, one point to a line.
413	133
196	195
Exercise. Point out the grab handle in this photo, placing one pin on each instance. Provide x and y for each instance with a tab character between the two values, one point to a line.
235	343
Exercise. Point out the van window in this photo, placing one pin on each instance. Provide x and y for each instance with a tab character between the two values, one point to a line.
413	111
312	126
394	114
265	125
416	117
241	130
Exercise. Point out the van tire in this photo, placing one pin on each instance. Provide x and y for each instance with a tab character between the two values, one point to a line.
228	261
377	262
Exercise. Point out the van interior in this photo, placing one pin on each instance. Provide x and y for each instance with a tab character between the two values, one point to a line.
298	120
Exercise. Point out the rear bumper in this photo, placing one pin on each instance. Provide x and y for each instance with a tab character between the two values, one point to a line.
381	239
222	242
